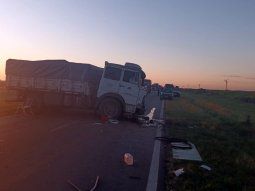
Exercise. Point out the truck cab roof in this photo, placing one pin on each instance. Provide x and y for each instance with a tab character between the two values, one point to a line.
127	65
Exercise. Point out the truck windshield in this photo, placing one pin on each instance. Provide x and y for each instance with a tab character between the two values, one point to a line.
131	77
112	73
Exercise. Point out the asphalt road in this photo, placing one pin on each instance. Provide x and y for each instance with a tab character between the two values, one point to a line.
45	152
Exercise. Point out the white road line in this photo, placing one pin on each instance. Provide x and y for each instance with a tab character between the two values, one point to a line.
152	182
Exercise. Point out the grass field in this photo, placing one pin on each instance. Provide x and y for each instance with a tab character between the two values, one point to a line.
6	108
221	125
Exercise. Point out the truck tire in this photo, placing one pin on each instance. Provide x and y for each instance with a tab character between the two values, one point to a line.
111	108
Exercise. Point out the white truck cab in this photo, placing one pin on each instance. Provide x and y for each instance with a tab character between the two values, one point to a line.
121	90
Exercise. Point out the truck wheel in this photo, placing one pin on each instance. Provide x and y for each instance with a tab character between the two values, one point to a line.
111	108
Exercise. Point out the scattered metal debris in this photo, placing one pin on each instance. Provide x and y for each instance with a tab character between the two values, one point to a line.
187	154
25	108
145	125
114	121
95	185
206	167
159	121
181	145
179	172
148	121
74	186
78	189
176	143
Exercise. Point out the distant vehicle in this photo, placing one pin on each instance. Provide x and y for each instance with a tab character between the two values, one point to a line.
147	85
169	86
155	87
112	91
176	93
166	93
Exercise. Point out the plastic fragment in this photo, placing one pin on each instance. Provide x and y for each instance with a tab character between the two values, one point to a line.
128	159
179	172
206	167
114	121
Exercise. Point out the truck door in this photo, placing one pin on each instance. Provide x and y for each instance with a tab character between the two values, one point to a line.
129	87
109	82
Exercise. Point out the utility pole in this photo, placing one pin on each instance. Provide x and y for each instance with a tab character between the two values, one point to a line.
226	81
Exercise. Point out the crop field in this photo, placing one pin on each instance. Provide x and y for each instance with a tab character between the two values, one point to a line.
6	108
222	126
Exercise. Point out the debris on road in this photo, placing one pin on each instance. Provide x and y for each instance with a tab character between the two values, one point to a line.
105	120
179	172
95	185
128	159
176	142
182	149
24	108
159	121
145	125
78	189
148	121
206	167
74	186
187	154
181	145
151	114
113	121
97	123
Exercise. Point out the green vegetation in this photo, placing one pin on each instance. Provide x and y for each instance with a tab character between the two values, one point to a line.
221	125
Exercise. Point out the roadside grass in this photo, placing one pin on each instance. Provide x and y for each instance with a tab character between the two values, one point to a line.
6	108
216	122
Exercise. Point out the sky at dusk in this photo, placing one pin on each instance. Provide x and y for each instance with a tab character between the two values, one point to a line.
175	41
